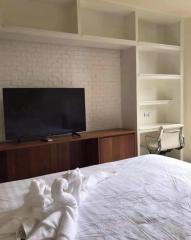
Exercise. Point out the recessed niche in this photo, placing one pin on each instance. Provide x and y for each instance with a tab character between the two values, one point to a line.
158	29
58	16
108	21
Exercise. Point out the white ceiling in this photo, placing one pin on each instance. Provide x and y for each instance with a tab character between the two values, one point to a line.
175	7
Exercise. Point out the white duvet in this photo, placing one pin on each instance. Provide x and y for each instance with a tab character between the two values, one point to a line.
149	198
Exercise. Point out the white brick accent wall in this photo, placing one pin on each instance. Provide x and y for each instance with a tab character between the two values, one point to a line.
43	65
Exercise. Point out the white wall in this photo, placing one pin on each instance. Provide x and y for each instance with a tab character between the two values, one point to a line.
43	65
187	88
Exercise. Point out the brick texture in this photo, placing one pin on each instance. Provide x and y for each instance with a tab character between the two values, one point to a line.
45	65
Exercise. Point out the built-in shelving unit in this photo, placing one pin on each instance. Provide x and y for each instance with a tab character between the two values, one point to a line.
157	79
150	46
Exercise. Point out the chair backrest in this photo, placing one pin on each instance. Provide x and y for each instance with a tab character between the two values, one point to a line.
171	138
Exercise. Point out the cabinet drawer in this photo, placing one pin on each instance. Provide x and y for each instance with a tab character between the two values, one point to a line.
117	148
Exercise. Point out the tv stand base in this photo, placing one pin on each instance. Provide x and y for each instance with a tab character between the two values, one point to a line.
75	134
47	139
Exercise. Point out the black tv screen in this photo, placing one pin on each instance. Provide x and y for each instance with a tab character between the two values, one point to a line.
41	112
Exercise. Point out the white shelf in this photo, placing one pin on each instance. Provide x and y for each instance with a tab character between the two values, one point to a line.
147	46
155	102
45	36
159	76
156	126
36	35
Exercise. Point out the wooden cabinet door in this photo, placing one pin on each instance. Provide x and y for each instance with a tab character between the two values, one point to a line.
117	148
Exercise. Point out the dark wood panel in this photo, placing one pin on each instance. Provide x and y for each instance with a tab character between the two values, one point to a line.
3	167
89	153
92	153
32	162
27	163
106	150
61	159
117	148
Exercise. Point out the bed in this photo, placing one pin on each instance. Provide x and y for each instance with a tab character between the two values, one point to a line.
148	198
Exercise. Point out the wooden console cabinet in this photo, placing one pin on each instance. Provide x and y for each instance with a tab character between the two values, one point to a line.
36	158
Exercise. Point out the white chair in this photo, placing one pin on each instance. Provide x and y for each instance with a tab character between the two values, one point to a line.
168	139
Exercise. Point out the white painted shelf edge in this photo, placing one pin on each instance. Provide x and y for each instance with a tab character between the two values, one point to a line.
45	36
148	46
156	127
159	76
155	102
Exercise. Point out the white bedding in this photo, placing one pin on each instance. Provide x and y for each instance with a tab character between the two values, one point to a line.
149	198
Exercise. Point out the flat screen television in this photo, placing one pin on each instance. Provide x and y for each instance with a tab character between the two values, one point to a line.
31	113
